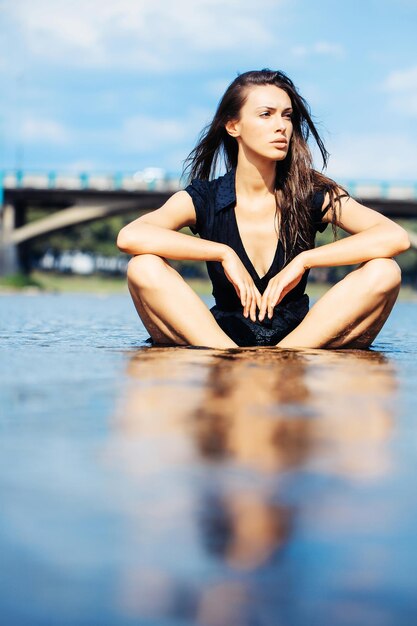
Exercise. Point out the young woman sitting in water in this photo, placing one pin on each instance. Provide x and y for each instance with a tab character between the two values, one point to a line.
257	226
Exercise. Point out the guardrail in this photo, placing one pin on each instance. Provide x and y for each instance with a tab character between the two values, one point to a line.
153	179
382	189
148	180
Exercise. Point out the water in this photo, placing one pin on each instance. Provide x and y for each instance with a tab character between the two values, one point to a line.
174	487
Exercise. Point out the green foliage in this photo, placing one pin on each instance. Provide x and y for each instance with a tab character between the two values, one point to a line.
407	260
98	237
17	281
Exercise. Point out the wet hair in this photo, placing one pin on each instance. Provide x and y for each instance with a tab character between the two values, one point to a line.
296	179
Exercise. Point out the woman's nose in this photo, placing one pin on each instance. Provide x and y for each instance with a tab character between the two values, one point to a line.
280	124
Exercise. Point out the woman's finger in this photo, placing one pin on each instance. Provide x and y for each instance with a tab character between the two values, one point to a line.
243	295
248	299
270	308
253	305
264	303
238	289
258	298
273	300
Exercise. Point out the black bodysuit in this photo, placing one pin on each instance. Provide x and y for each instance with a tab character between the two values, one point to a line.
214	203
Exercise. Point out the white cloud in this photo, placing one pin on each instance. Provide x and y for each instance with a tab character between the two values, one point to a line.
139	33
401	80
142	133
34	130
324	48
401	87
372	155
327	48
134	137
83	165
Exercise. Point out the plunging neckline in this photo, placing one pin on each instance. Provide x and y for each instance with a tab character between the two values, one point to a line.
249	264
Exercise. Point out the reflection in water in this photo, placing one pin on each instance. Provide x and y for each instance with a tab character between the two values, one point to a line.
255	410
244	528
260	408
211	437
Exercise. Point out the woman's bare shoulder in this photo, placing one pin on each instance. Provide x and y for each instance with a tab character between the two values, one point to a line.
176	213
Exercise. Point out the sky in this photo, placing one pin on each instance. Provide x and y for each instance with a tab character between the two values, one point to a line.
118	86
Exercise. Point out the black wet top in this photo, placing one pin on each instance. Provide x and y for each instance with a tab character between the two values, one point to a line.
214	203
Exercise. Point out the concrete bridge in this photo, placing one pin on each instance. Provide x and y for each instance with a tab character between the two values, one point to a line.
74	199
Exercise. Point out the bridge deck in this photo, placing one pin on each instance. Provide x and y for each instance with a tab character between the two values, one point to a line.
393	200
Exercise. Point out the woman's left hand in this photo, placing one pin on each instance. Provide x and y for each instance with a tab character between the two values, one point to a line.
280	285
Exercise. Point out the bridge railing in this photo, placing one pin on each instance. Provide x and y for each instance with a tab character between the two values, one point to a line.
155	179
150	179
382	189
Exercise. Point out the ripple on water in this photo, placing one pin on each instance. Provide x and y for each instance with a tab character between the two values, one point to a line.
175	485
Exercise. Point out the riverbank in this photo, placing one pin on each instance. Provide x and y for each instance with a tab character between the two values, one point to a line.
49	282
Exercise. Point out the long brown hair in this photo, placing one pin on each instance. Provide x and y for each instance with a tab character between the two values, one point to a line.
296	179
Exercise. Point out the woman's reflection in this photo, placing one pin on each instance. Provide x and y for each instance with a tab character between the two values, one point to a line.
236	424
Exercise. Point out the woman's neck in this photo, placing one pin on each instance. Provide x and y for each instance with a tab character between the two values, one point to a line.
255	180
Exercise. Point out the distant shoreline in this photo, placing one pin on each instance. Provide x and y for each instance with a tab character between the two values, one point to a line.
47	283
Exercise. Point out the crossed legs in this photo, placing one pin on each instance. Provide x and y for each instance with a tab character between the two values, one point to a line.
353	311
350	314
170	310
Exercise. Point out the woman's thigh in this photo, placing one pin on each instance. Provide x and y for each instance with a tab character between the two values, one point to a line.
169	308
352	312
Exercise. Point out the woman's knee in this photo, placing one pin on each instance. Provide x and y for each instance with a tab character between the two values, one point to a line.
145	270
383	276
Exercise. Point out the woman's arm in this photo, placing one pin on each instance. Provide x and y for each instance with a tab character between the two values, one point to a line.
372	235
155	233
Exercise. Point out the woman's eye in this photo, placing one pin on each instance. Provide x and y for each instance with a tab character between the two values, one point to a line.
267	113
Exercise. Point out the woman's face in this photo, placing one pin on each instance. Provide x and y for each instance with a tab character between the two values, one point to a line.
265	123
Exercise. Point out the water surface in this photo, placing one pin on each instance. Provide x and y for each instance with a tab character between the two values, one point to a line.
179	486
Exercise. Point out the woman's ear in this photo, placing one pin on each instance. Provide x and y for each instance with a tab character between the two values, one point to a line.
232	128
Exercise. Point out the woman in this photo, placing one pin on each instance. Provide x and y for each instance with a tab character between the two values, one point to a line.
257	226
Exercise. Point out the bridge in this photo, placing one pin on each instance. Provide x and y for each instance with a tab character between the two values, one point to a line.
77	198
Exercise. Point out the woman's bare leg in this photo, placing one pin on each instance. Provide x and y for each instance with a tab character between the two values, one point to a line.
169	308
351	313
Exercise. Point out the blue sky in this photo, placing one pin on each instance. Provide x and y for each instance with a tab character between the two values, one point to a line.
128	84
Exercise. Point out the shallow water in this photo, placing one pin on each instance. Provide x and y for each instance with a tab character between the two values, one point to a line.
179	486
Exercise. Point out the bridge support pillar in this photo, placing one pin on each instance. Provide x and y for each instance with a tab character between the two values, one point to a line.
9	259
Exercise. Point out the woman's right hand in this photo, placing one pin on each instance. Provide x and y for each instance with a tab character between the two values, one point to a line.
243	283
